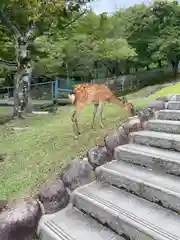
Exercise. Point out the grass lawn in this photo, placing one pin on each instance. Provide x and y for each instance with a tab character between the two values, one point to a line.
140	98
173	89
5	110
47	146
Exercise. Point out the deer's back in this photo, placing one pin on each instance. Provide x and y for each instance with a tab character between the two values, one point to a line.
92	92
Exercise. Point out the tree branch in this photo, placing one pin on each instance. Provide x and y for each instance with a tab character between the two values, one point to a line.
73	20
106	65
28	35
8	63
10	25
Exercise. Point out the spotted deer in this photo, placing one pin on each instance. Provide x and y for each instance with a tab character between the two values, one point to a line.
97	94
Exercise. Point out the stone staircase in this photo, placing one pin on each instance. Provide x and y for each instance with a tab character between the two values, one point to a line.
136	196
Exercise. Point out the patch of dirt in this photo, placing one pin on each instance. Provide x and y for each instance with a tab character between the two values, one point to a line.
5	119
3	205
3	156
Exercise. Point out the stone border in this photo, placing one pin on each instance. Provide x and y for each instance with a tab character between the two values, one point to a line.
20	220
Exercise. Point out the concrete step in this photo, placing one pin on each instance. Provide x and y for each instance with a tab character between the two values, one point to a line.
126	213
72	224
151	157
173	105
175	97
171	97
156	139
153	186
163	126
168	114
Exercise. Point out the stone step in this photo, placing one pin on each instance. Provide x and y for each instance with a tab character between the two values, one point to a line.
126	213
72	224
173	105
170	97
156	139
175	97
168	114
151	157
163	126
153	186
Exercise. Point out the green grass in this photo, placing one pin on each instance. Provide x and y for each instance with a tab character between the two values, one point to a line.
140	96
5	110
35	154
173	89
47	146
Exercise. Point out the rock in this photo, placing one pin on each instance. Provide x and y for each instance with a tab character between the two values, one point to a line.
78	173
3	204
98	156
20	221
116	139
53	196
20	128
156	104
144	115
40	113
132	125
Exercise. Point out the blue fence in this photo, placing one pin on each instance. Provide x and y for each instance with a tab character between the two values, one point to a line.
57	89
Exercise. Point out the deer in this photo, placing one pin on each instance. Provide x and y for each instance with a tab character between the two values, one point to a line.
98	94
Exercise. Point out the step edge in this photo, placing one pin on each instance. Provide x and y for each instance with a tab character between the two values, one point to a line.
156	187
169	122
135	221
161	135
143	153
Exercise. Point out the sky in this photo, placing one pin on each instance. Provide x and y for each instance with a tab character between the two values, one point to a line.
100	6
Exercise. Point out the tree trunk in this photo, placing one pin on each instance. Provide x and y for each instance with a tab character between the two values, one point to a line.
127	70
23	63
147	67
22	81
117	70
95	69
175	67
107	67
160	63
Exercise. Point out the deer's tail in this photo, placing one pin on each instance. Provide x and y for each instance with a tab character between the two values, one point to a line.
72	97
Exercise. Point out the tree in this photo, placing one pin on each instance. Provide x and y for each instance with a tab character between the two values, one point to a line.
139	37
103	45
32	18
166	21
138	32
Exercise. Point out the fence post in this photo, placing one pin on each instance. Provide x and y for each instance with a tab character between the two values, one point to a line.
56	89
52	89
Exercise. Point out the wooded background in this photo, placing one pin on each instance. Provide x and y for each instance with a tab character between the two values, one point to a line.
40	40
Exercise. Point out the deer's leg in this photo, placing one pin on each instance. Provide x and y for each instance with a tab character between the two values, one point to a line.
96	106
75	123
74	118
101	108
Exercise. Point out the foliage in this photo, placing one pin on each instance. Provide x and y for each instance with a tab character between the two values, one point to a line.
50	53
166	19
137	38
114	49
